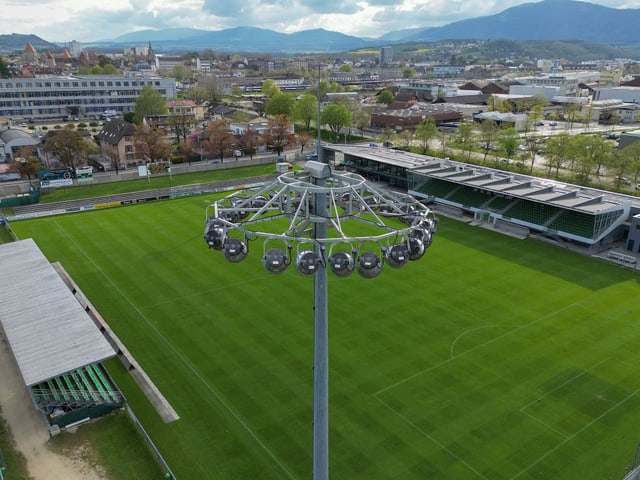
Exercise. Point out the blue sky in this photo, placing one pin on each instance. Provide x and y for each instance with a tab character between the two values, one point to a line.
88	20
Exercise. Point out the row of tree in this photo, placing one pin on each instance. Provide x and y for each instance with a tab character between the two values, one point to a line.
583	156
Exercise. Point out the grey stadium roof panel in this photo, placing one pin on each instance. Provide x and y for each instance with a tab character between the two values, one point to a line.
48	330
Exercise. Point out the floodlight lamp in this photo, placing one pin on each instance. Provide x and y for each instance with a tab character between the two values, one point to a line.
416	248
259	201
342	264
232	217
307	262
397	255
215	233
275	260
235	250
369	265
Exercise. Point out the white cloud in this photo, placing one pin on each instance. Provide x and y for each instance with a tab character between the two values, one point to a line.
63	20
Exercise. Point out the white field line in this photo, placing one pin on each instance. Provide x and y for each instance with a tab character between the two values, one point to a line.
431	438
563	384
532	417
471	330
215	393
477	347
571	437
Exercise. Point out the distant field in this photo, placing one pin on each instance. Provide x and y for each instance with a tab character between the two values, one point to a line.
491	358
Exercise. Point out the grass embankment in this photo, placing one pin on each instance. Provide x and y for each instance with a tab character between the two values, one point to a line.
112	445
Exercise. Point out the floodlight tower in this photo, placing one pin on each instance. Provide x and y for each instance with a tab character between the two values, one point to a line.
391	228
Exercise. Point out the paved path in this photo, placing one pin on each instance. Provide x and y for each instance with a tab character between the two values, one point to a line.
30	430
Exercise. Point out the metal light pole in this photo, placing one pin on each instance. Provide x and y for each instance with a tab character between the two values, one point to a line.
320	345
310	201
320	333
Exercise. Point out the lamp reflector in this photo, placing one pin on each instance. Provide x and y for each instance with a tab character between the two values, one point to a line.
307	262
342	264
397	255
369	265
275	260
416	248
215	234
235	250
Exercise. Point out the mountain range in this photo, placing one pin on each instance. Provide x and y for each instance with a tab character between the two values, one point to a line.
545	20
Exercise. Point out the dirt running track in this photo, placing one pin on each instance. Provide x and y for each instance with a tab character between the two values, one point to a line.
30	430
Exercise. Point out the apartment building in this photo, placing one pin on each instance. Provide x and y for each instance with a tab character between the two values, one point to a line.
55	97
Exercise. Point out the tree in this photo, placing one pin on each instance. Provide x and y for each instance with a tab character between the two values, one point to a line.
345	67
386	97
509	139
151	144
487	135
405	139
149	102
27	164
4	70
621	166
581	161
361	118
304	137
336	117
179	72
270	88
557	149
464	138
218	138
280	104
305	110
426	130
69	145
209	89
591	153
185	150
386	137
572	113
110	69
632	153
181	123
408	72
279	134
250	141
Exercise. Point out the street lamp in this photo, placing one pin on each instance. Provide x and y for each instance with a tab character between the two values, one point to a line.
369	226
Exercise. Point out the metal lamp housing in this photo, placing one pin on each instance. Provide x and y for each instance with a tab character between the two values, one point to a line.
307	262
369	265
397	255
416	248
342	264
215	234
275	260
235	250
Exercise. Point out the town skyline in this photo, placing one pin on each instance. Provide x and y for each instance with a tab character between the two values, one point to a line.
66	20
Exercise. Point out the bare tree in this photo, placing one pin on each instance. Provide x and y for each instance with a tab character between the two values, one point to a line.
280	135
151	144
218	138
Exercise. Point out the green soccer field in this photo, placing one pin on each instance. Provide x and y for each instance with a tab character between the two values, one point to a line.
491	358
